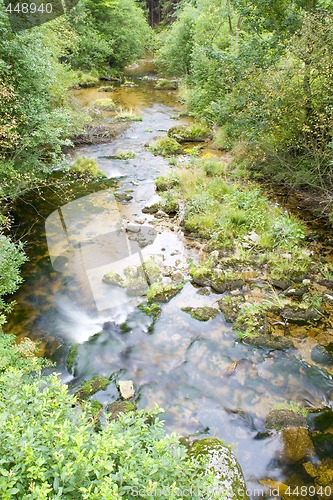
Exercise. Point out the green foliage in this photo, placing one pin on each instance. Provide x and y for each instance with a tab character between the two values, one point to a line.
112	33
50	448
239	56
11	259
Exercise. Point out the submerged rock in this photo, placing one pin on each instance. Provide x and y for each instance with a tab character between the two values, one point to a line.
163	293
321	354
323	477
300	316
267	341
201	313
297	444
222	462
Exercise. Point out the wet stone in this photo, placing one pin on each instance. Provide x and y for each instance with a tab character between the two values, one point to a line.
268	341
300	316
281	284
322	355
203	291
201	313
281	419
297	444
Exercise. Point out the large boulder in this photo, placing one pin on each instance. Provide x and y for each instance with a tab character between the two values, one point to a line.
222	462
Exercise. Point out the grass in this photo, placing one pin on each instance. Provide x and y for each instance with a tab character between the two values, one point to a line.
129	115
190	133
124	155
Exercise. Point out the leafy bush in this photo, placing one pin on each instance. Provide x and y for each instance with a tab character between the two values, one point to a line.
11	259
50	448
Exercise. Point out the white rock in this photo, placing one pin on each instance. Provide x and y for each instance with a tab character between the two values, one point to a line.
126	389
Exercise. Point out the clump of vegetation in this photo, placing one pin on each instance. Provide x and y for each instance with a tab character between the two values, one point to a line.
107	88
90	387
166	85
128	115
164	183
87	167
190	133
72	356
166	146
124	155
86	80
105	104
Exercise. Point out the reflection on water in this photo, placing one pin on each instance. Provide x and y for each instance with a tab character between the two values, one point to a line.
207	380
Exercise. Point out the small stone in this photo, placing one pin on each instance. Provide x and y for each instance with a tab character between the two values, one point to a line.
133	228
281	419
118	407
126	389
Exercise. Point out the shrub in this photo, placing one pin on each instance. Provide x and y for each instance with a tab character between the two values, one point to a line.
50	448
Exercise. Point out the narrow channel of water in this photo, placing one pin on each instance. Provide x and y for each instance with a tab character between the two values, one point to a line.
74	237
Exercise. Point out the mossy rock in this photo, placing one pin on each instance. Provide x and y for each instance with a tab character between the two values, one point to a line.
320	420
170	205
299	316
90	387
297	444
95	409
152	310
86	80
224	465
202	275
71	358
123	197
166	85
323	476
279	419
163	293
191	133
105	104
166	146
267	341
201	313
151	209
118	407
112	278
230	307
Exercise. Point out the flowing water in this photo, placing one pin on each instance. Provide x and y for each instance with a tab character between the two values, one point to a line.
77	234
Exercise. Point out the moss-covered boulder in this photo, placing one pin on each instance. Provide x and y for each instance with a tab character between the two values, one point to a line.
151	309
160	292
118	407
230	306
297	444
201	313
279	419
222	462
90	387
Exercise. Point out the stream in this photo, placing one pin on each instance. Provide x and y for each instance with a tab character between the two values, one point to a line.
182	364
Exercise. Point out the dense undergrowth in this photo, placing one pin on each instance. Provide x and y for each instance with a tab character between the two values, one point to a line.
260	73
